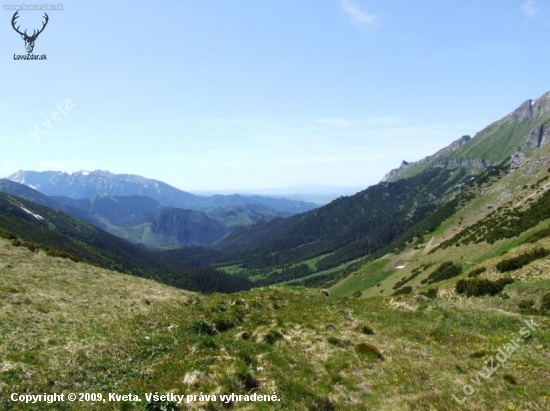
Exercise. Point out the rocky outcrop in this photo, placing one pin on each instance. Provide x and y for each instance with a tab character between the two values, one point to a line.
538	137
530	109
447	163
517	159
522	112
455	145
453	163
541	106
396	172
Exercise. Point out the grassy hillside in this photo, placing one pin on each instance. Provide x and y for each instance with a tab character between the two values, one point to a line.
36	227
509	216
443	302
344	230
69	327
491	146
509	135
411	203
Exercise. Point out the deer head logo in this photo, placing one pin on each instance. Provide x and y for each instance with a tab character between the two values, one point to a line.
29	40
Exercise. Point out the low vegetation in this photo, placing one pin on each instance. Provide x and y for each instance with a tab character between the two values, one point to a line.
359	353
480	286
383	338
514	263
506	222
34	247
405	290
477	272
443	272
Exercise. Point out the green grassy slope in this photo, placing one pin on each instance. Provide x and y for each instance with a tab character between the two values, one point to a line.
499	141
37	227
510	215
495	143
69	327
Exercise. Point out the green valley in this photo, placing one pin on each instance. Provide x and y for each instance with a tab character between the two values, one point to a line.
397	297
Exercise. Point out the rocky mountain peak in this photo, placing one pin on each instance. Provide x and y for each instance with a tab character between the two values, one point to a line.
541	106
522	112
531	109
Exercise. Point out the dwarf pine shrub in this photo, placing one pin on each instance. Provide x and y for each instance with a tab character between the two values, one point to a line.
430	292
364	329
476	272
405	290
443	272
480	286
514	263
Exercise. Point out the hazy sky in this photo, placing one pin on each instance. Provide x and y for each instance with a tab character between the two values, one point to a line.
241	94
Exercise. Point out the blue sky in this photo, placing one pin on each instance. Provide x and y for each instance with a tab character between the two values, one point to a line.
244	94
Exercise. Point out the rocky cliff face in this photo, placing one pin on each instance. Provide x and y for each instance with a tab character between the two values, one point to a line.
395	173
541	106
443	163
530	109
453	163
538	137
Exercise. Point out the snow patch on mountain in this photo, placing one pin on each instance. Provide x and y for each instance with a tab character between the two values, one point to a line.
37	216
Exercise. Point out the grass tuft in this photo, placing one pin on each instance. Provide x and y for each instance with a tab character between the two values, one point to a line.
364	329
369	350
510	379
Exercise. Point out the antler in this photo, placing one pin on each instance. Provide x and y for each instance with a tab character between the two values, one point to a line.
34	33
15	16
43	26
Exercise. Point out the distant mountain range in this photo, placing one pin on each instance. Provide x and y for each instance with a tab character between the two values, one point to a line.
257	237
146	211
85	184
145	221
314	193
